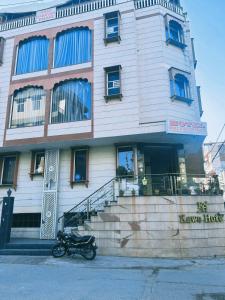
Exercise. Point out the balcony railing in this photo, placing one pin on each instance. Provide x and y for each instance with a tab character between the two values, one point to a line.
165	3
87	7
146	185
168	185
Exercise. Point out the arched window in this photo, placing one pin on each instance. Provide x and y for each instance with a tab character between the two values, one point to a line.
176	32
182	87
28	107
73	47
32	55
71	101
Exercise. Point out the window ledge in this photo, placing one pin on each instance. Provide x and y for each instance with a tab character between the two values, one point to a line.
32	174
8	186
83	182
175	43
112	97
29	75
182	99
112	40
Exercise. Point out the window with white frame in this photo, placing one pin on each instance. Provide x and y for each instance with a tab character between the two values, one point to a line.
28	107
113	82
112	27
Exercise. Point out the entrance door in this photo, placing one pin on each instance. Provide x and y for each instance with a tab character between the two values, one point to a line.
50	189
160	161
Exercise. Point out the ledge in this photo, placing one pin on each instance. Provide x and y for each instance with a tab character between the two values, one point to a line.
112	40
81	182
112	97
175	43
182	99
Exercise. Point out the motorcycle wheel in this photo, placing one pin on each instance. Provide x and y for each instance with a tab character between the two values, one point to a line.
89	253
58	250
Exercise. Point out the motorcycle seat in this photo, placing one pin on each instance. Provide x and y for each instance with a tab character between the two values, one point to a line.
80	239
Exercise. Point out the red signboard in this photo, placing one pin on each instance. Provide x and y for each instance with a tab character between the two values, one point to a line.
186	127
46	15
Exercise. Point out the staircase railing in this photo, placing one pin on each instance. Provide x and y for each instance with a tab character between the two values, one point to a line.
142	185
89	206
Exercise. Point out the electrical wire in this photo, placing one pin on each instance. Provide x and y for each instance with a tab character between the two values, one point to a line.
218	151
214	144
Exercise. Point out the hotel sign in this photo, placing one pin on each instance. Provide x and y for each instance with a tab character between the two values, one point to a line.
46	15
202	217
186	127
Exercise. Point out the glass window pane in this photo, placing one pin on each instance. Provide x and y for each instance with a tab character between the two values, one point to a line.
113	83
28	107
112	27
126	160
71	102
39	163
80	173
8	170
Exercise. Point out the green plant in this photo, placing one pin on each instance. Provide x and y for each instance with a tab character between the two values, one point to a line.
121	193
133	192
121	171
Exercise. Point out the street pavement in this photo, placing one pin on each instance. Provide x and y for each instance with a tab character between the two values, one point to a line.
110	278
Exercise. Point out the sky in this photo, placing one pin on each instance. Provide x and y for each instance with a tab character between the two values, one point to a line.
207	24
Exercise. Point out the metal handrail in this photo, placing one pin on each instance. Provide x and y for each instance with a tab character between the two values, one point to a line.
86	199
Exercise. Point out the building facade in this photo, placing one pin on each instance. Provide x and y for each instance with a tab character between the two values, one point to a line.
89	91
214	158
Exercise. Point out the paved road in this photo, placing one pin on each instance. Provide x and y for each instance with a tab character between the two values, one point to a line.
110	278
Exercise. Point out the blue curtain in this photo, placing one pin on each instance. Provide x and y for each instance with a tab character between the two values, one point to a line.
73	47
71	102
32	56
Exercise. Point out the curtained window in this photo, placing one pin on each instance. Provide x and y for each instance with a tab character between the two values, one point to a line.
73	47
28	107
182	88
71	101
32	55
175	34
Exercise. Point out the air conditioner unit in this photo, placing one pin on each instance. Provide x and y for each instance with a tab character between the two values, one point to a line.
2	45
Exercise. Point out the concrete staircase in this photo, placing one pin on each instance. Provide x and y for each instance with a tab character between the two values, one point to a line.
150	227
32	247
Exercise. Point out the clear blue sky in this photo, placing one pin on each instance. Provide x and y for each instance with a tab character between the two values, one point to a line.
207	22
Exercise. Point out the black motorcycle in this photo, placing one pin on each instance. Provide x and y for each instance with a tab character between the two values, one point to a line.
75	244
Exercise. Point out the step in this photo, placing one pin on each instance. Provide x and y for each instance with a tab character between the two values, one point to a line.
40	246
30	252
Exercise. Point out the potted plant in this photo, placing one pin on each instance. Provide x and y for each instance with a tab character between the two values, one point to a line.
133	192
121	193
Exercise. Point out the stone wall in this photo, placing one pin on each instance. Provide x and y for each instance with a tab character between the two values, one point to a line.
160	227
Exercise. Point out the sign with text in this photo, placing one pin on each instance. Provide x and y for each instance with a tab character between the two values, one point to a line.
186	127
46	15
202	208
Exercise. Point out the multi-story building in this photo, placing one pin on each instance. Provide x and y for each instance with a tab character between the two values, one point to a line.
92	90
214	157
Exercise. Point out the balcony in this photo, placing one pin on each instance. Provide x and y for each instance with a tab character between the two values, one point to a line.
88	7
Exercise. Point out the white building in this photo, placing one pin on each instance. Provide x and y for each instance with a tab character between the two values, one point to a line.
88	89
214	157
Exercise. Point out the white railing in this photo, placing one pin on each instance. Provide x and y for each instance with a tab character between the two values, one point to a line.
17	23
165	3
87	7
83	8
